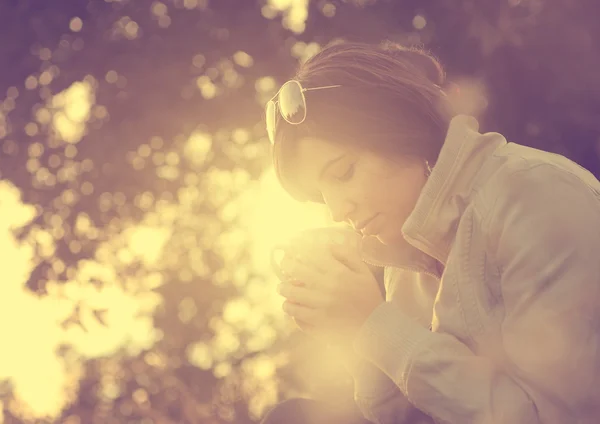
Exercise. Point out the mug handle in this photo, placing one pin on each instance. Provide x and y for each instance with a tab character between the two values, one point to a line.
275	265
277	268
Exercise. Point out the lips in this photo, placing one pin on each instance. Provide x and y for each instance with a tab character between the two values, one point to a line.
362	225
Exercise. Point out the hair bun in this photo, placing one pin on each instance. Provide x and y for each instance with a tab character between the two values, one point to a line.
424	61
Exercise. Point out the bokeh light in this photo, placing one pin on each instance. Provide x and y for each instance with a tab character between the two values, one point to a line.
138	204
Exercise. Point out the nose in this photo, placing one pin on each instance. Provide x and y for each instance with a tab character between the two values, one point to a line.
339	207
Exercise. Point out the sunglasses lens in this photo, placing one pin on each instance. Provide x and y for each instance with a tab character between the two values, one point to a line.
270	116
291	102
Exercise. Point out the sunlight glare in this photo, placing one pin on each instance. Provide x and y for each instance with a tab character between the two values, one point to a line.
274	217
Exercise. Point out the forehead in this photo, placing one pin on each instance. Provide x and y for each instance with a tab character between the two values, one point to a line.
309	158
315	152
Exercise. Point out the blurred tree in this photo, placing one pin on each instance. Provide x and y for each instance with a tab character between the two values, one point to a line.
133	124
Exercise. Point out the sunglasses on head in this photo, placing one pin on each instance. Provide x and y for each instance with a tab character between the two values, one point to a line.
290	102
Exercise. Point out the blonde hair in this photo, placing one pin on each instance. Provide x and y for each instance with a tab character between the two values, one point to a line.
391	102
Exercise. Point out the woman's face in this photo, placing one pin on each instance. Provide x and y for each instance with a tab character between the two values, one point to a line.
360	187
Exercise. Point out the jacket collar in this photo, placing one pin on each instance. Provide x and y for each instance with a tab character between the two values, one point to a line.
430	229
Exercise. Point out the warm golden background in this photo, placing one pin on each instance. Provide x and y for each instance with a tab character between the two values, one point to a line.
138	205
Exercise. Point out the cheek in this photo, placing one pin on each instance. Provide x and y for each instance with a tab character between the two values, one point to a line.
402	194
372	190
399	204
386	189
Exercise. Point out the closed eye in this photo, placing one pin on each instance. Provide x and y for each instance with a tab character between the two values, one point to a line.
348	174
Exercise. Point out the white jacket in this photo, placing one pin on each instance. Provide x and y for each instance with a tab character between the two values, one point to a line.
515	317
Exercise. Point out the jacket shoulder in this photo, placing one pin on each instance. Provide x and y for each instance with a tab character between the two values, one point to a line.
514	170
514	158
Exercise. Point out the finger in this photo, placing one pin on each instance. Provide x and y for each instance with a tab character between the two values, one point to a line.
304	296
304	326
300	272
327	282
302	313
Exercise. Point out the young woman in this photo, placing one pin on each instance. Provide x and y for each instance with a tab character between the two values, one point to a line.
491	250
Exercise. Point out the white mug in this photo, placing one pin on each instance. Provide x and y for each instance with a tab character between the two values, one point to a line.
309	237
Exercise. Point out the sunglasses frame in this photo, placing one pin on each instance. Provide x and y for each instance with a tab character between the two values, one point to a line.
277	109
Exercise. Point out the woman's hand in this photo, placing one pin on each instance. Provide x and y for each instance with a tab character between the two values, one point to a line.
331	292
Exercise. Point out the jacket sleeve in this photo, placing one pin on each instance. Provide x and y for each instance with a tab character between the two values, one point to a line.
544	236
378	398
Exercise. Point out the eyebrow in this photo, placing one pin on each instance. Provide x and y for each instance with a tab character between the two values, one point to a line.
328	164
